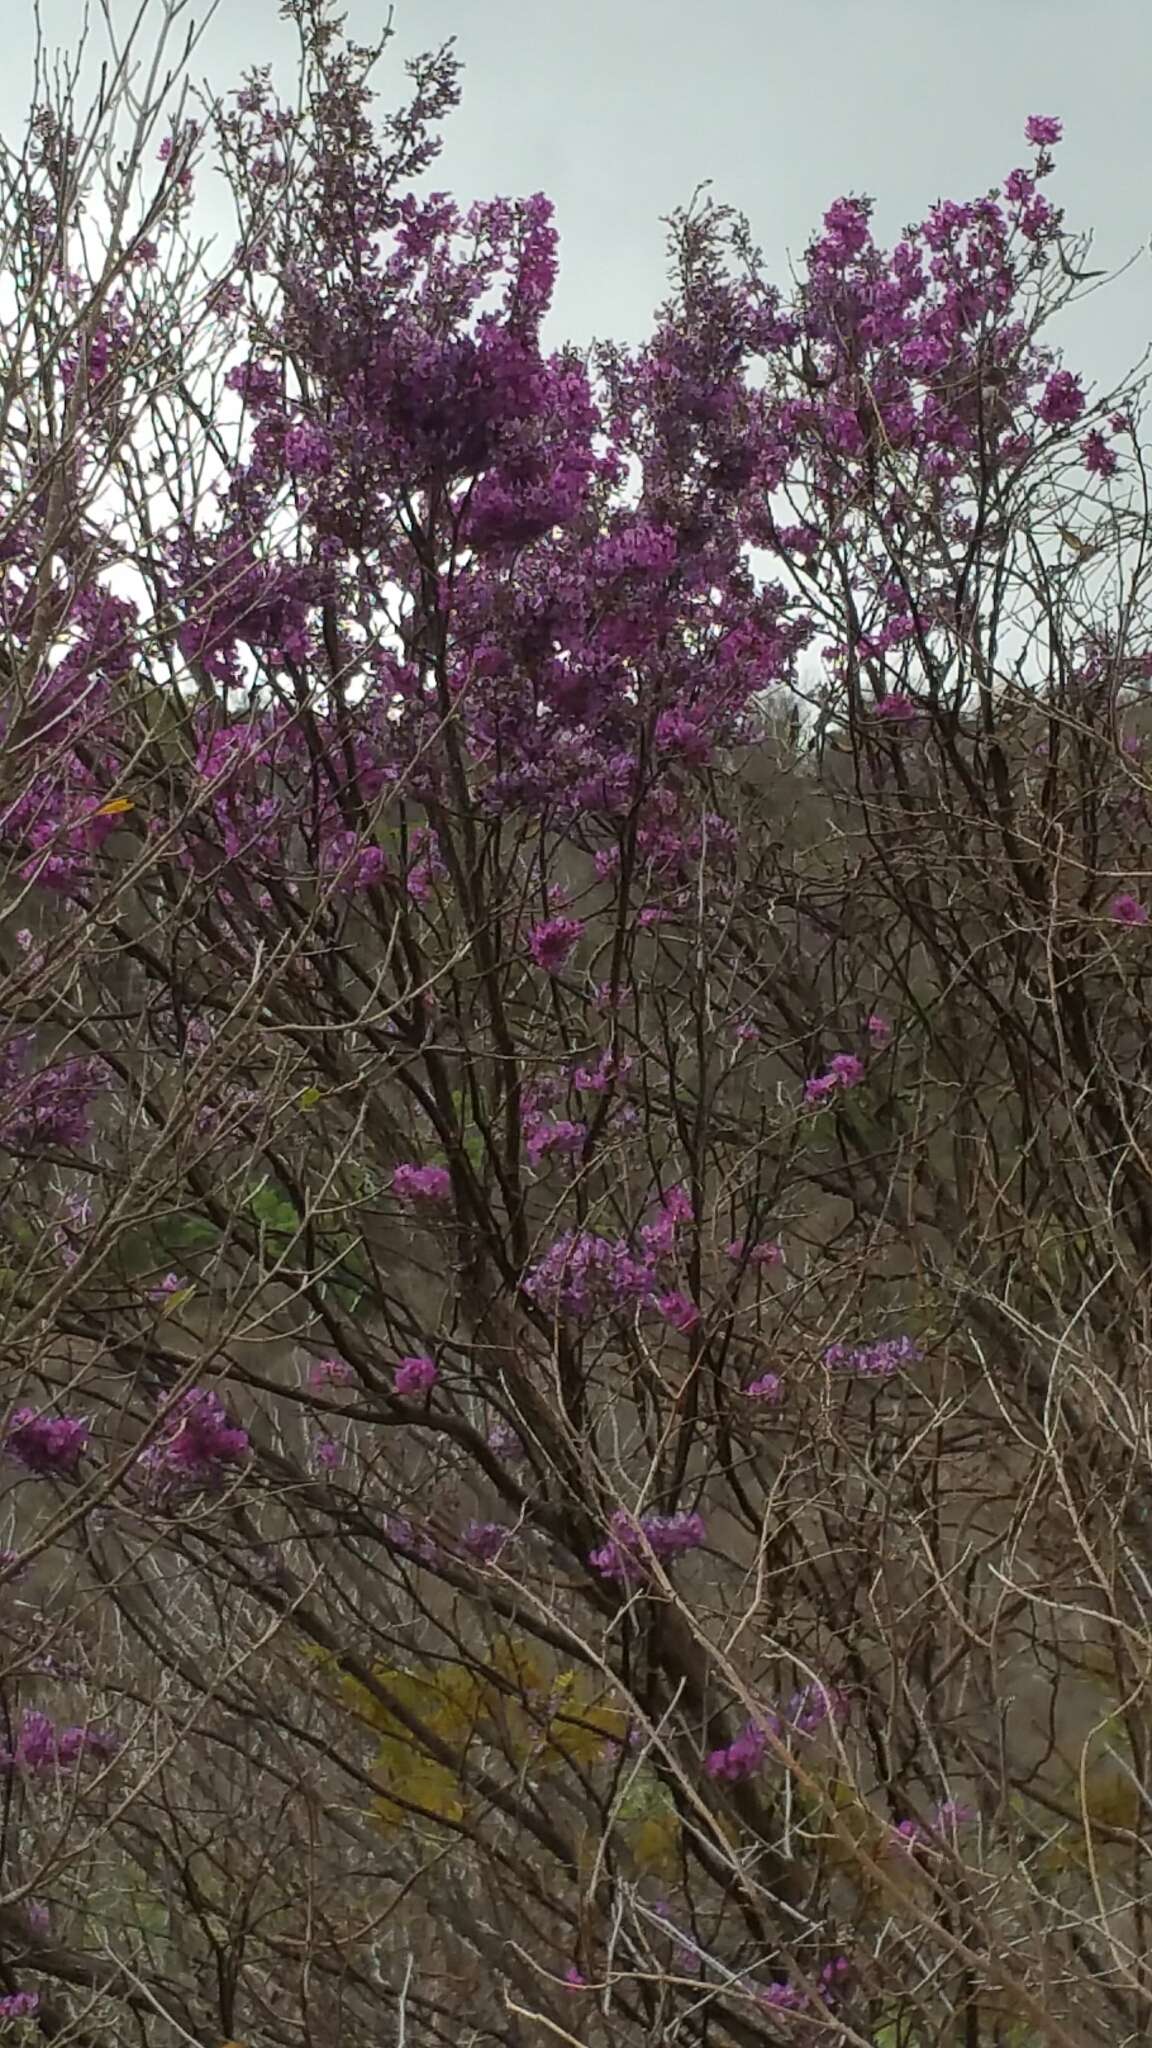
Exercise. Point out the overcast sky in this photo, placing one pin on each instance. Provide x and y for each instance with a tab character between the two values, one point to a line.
618	108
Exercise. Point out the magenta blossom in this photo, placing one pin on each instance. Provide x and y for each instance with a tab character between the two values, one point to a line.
46	1444
896	708
19	2005
412	1183
1099	458
330	1372
678	1310
553	942
843	1071
669	1536
1128	910
768	1388
197	1444
873	1361
415	1376
1062	400
561	1136
484	1540
1042	130
879	1031
740	1759
764	1253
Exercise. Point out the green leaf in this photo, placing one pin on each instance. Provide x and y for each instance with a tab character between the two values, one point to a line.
274	1210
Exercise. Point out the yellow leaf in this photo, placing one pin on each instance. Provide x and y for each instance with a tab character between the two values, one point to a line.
116	807
654	1844
173	1303
419	1781
308	1098
1112	1799
580	1734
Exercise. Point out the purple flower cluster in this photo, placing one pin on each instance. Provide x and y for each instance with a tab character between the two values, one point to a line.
896	708
48	1109
41	1747
945	1819
668	1536
785	1997
484	1541
544	1136
431	1184
582	1274
812	1708
19	2005
678	1310
768	1388
197	1443
765	1253
330	1372
416	1375
553	942
504	1442
739	1759
844	1071
873	1361
46	1444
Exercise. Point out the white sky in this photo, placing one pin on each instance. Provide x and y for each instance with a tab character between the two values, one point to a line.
618	108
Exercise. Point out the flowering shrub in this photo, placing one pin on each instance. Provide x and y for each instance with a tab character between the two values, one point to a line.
458	792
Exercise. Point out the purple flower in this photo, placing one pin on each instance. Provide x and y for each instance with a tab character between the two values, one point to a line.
330	1372
307	450
897	708
659	1236
873	1361
879	1031
554	941
52	1107
782	1997
504	1442
765	1253
415	1376
198	1442
485	1540
767	1388
816	1706
678	1310
328	1453
1062	400
1042	130
412	1183
582	1274
41	1747
844	1071
741	1758
559	1136
669	1536
1127	910
574	1978
833	1974
1099	458
19	2005
600	1078
46	1444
